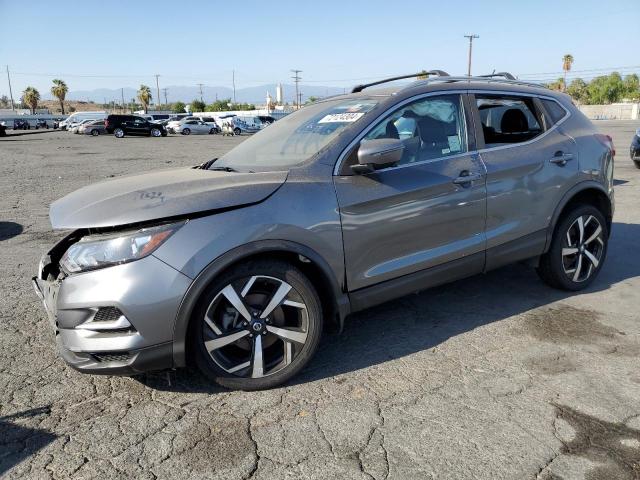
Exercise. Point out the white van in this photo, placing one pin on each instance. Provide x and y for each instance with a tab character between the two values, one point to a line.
80	116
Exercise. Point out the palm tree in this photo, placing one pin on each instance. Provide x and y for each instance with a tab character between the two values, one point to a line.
567	61
30	97
144	95
59	90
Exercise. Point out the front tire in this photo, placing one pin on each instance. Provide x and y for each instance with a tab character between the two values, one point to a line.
95	132
186	131
578	250
155	132
256	326
637	162
237	131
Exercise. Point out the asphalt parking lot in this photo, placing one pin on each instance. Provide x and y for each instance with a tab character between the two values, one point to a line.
496	376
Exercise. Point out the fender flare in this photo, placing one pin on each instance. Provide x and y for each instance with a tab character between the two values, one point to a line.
204	278
566	198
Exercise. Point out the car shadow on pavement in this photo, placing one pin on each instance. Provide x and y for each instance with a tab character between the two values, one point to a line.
9	230
425	320
17	442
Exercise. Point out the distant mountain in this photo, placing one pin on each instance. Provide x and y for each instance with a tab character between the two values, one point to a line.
187	94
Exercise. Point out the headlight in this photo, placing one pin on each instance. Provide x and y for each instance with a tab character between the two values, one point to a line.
104	250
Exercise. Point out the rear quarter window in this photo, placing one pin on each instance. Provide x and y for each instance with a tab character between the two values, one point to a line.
554	111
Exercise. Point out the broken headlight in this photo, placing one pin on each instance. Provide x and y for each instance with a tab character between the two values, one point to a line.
105	250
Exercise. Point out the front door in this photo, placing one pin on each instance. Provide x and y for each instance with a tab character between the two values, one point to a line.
422	212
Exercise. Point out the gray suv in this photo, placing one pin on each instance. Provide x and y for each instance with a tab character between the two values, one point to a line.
239	264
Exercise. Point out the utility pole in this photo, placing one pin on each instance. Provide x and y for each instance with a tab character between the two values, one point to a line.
164	90
158	101
233	81
470	37
296	78
200	85
122	94
10	92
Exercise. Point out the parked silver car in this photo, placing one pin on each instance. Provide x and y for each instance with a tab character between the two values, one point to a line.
94	128
191	126
240	263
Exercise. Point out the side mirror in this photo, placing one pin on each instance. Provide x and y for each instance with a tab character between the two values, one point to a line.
379	153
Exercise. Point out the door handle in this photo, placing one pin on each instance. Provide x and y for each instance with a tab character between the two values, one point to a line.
467	177
561	158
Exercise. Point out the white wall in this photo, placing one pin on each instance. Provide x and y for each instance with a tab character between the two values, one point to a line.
615	111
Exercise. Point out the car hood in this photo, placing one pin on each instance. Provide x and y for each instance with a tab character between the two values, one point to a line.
159	195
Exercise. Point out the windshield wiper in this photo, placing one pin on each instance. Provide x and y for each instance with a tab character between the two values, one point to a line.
223	169
205	165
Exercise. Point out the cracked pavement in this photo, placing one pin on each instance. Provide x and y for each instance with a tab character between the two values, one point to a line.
496	376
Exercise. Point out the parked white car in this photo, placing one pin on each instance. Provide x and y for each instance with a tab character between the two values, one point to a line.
78	127
187	127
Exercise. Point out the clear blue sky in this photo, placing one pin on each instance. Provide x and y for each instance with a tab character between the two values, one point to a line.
338	43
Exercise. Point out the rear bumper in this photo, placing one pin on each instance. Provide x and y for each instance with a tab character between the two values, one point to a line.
147	293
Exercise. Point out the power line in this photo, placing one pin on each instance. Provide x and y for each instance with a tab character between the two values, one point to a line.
470	37
296	78
10	91
200	85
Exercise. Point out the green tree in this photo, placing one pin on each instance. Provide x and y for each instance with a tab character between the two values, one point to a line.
311	99
578	90
178	107
198	106
632	87
4	101
59	90
145	97
606	89
31	97
557	85
567	62
219	105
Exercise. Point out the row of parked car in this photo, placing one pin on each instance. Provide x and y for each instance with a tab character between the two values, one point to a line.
126	125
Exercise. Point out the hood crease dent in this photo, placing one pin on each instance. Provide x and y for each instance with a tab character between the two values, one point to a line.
158	195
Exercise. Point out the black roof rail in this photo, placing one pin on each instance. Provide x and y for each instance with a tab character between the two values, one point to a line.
359	88
506	75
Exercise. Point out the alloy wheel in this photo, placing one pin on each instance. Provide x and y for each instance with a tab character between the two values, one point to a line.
155	132
582	248
119	133
256	326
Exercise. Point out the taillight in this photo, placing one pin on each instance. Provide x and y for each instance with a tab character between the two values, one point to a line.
106	122
607	141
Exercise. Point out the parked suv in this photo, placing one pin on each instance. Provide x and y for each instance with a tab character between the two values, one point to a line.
239	264
121	125
634	150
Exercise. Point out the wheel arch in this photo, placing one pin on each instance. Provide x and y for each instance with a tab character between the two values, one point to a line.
590	193
306	259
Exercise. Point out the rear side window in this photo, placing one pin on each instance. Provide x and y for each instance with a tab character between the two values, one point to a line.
507	120
555	111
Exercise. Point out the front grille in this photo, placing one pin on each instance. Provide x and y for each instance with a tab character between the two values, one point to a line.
107	314
112	356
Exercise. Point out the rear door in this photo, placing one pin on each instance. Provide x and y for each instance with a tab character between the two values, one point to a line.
529	162
422	212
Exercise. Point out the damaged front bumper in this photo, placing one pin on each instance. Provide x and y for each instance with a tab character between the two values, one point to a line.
117	320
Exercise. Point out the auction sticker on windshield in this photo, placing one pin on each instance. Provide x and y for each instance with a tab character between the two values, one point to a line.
341	117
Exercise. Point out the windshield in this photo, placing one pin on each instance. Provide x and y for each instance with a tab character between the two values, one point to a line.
296	137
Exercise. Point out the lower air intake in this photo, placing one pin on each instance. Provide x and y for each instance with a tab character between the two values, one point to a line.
112	356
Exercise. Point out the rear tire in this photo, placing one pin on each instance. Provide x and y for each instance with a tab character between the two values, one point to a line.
118	133
637	162
578	249
287	335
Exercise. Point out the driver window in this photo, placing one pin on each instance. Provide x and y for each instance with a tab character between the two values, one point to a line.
429	128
